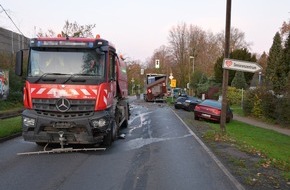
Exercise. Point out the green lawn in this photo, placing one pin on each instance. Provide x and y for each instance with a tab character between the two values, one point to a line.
10	126
270	144
237	109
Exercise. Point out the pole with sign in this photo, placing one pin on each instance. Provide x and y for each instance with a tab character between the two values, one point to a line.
238	65
225	71
171	85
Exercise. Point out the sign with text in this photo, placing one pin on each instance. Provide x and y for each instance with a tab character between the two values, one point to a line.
173	83
241	65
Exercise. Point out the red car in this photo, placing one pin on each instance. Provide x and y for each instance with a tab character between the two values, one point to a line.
211	110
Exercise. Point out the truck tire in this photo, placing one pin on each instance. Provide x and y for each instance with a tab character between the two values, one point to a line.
124	124
111	136
127	116
108	139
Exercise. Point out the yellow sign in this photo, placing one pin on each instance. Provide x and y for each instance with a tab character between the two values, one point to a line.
173	83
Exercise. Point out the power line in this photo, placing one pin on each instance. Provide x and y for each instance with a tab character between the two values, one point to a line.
11	20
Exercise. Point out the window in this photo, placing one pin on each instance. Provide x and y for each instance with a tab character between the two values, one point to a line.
112	75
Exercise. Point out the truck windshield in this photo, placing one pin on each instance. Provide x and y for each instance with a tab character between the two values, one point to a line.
66	61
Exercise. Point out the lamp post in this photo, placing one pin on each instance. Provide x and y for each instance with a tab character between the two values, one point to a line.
171	77
190	57
260	78
132	85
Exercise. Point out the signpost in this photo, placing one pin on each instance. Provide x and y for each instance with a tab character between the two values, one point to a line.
238	65
172	85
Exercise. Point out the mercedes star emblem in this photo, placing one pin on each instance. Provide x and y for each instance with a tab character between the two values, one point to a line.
62	105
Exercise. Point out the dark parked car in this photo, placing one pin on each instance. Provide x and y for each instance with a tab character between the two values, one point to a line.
186	102
178	104
211	110
190	103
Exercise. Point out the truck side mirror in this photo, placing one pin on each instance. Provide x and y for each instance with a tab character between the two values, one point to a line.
19	63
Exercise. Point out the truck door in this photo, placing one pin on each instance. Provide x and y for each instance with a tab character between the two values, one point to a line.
112	73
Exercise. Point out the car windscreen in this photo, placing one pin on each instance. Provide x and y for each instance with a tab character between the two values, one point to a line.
211	103
193	98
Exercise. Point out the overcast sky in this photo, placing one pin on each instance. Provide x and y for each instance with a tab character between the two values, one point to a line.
138	27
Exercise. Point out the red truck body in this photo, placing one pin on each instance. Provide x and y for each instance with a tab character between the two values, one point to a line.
156	87
76	90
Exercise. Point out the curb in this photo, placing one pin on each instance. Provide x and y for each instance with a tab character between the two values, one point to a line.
3	139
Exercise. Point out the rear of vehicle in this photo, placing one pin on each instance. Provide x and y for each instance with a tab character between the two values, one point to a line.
179	102
156	87
190	103
211	110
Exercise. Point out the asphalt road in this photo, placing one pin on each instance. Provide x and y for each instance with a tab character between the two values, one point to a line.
159	152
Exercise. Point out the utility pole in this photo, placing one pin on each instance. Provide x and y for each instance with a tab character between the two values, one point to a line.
189	89
225	71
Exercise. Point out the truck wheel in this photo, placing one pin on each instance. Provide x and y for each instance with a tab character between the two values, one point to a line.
124	124
127	115
108	139
111	136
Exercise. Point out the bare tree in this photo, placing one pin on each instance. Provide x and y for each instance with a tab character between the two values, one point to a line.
237	39
70	30
166	61
193	41
76	30
178	40
205	49
49	33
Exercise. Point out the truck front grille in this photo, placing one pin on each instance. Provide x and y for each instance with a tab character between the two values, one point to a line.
77	108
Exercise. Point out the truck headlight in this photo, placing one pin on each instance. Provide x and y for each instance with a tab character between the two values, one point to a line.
28	121
99	122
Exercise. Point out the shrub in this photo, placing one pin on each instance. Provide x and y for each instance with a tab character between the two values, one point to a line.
268	104
234	96
282	111
252	103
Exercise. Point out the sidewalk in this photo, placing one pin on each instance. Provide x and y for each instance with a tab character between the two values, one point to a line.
261	124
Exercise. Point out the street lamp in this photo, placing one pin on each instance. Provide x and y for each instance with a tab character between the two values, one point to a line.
190	57
132	85
260	78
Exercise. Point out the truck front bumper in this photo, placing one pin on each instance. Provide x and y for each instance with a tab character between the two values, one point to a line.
89	129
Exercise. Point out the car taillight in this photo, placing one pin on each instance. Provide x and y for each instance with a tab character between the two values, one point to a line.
197	108
215	111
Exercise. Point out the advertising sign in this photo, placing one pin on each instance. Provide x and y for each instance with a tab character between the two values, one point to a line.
4	84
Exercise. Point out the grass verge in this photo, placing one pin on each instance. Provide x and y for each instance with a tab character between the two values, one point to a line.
273	147
10	126
237	109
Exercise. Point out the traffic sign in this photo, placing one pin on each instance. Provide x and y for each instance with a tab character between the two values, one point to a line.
173	83
238	65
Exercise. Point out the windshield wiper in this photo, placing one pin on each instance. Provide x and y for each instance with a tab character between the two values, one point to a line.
42	77
73	79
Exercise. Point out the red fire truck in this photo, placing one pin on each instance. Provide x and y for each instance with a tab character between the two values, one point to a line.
75	91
